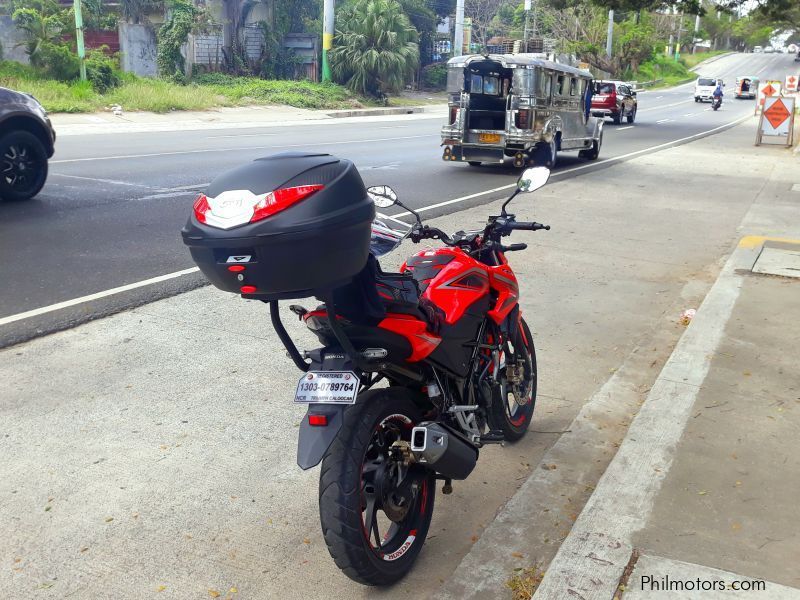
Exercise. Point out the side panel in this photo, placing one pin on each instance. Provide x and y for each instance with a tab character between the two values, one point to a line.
415	331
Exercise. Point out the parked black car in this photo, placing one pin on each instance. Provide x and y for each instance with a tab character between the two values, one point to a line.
27	140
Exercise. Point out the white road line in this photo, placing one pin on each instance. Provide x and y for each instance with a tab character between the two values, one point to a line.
131	286
663	106
209	150
111	181
211	137
623	128
665	120
75	301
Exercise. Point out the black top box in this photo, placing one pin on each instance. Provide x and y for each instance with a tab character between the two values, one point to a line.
291	225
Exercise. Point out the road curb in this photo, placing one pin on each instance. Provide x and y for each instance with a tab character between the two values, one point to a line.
374	112
593	557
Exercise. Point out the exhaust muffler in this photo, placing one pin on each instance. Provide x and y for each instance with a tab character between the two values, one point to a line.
444	450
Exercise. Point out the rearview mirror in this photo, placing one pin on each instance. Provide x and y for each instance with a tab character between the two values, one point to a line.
382	195
532	179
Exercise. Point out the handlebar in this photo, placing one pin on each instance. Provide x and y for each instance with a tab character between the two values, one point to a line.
533	226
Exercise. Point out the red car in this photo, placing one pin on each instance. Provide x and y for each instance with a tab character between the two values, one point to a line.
614	99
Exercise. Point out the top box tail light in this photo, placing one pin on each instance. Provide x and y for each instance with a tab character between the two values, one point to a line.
237	207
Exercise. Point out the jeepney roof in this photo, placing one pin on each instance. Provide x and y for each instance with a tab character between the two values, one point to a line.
516	61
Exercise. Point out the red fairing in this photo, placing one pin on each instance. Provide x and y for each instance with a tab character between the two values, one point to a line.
458	280
422	342
457	285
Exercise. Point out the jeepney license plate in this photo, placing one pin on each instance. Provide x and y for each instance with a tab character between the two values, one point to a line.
327	387
489	138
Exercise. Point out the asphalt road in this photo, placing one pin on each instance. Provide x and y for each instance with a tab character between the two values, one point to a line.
113	206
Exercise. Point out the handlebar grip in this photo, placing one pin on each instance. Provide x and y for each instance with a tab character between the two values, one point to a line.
514	247
530	226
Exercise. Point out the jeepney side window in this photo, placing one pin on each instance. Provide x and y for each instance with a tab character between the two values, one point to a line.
561	87
573	86
527	82
547	82
455	79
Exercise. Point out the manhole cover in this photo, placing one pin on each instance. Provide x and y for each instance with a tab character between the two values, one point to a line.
778	258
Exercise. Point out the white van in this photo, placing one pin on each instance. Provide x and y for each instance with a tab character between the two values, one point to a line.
757	49
704	88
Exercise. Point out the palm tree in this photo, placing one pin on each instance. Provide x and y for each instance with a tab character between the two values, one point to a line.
375	48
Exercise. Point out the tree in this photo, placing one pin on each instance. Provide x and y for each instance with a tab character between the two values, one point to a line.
375	47
481	13
42	23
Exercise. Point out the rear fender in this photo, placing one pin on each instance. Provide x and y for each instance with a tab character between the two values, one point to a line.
313	441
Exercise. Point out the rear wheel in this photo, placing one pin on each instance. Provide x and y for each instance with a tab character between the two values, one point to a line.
617	117
631	116
514	399
23	166
375	512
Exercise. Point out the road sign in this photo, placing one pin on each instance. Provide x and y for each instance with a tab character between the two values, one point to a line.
765	90
791	83
777	119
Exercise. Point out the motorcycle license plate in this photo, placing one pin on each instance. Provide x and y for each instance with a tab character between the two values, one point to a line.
327	387
489	138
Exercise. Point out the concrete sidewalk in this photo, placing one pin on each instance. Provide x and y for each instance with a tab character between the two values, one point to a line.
701	499
152	453
226	118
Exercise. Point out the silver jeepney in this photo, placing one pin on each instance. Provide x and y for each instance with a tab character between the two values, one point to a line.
519	106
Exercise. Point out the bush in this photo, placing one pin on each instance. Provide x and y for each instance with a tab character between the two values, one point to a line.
57	61
434	77
102	71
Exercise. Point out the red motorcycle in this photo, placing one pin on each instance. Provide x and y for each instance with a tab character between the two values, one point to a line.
444	338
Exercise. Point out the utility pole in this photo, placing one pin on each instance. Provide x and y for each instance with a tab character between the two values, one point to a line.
527	18
610	35
678	42
327	37
79	37
696	29
458	42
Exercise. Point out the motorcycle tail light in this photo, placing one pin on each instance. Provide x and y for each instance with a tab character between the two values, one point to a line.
318	420
237	207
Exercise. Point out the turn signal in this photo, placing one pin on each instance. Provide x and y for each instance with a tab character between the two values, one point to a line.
318	420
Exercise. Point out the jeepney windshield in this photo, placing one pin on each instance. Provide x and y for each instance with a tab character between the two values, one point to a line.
455	79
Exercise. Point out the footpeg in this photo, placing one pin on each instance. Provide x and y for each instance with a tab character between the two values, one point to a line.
447	488
495	436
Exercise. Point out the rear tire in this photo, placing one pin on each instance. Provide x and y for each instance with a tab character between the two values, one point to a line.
617	118
631	117
545	154
355	474
512	404
23	166
594	152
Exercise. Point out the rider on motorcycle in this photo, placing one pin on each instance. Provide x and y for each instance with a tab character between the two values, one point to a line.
718	93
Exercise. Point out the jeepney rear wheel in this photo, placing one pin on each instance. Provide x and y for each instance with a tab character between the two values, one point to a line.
594	152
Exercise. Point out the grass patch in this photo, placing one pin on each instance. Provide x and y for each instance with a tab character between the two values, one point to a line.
524	583
692	60
664	70
208	91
